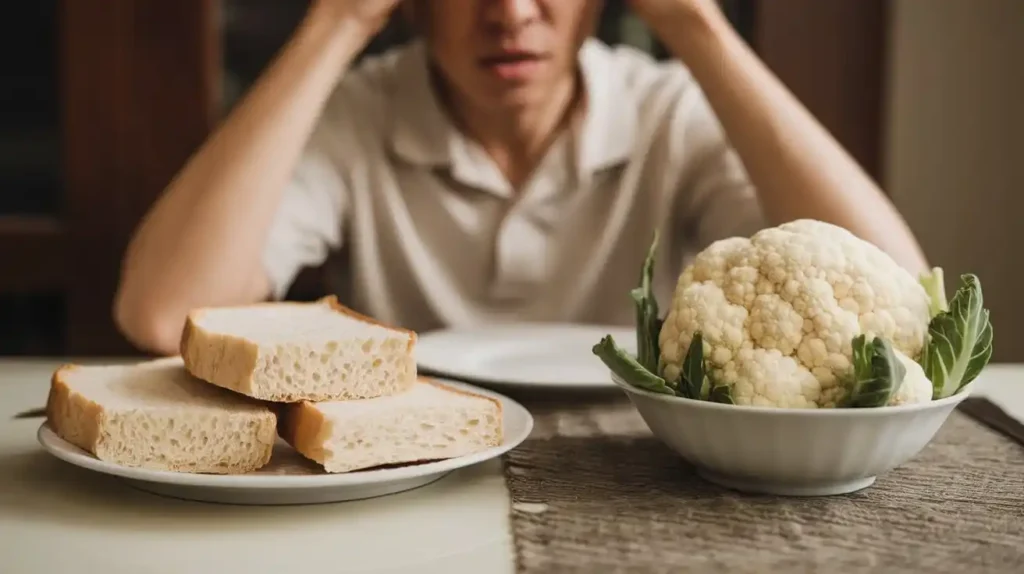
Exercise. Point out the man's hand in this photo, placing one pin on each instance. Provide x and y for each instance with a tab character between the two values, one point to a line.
653	10
680	23
366	16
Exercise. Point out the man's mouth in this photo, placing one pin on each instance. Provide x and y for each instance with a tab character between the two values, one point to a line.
513	65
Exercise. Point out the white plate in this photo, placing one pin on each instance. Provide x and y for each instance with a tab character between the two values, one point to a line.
530	354
290	478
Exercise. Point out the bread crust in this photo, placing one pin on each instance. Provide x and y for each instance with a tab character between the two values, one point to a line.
231	364
304	427
74	418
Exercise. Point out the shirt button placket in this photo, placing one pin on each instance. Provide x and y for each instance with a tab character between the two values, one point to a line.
520	257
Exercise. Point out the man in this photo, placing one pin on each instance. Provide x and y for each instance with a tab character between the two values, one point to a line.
503	166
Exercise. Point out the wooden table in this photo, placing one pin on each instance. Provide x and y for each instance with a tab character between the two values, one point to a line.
57	518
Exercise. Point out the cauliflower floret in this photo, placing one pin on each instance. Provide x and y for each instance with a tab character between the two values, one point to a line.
779	311
916	387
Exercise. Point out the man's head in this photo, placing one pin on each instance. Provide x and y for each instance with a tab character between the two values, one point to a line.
504	54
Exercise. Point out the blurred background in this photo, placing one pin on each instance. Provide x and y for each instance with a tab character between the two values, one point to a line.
102	102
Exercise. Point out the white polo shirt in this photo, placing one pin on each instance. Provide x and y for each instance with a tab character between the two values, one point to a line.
417	226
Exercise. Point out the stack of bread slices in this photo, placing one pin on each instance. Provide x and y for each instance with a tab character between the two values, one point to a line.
340	388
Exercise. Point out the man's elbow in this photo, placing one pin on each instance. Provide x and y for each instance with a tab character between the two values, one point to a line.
147	326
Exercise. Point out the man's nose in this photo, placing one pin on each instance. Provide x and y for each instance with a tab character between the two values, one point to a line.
511	14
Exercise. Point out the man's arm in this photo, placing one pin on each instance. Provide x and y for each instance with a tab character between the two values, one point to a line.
797	167
202	242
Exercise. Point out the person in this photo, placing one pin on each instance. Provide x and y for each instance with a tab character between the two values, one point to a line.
504	165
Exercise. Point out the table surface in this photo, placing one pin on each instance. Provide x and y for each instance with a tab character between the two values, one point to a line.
58	518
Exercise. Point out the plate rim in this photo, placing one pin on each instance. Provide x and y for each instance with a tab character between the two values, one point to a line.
512	327
53	444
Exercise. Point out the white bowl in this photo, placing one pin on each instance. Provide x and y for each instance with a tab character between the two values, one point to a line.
791	452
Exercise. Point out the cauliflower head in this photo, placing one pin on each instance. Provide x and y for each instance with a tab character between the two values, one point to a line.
778	311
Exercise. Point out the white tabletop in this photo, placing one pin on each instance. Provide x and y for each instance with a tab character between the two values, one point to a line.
58	518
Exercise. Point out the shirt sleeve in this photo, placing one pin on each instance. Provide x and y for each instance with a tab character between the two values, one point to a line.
715	198
310	219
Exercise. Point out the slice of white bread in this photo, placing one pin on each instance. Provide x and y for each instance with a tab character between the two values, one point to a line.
289	352
155	415
429	422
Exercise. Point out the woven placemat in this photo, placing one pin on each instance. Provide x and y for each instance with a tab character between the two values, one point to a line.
593	491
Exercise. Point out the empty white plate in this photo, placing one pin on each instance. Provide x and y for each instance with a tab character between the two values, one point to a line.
522	354
290	478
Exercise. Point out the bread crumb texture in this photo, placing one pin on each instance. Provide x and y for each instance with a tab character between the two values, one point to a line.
293	352
156	416
429	422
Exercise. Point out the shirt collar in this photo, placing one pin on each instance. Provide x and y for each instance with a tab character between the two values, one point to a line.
608	129
423	134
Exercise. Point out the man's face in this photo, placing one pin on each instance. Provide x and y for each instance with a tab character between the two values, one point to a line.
504	54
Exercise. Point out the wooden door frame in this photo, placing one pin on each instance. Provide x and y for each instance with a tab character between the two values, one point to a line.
141	91
832	54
